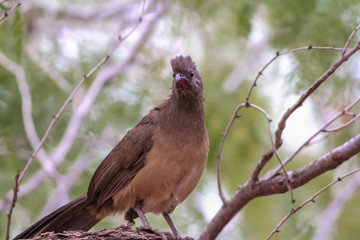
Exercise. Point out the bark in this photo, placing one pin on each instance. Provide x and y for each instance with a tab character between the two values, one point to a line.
277	184
122	232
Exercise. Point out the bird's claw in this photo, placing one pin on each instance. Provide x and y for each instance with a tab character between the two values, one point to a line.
151	230
129	224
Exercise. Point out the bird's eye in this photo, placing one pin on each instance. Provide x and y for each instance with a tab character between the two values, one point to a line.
173	75
191	74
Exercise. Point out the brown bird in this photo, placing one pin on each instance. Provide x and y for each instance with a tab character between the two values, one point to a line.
152	169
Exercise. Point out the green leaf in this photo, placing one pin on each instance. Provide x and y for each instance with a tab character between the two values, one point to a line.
3	7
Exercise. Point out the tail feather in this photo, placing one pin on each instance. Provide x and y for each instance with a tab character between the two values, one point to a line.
72	216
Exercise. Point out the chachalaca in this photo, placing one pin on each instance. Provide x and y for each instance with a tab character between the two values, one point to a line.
153	168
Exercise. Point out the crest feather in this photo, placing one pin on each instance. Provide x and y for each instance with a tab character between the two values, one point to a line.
182	64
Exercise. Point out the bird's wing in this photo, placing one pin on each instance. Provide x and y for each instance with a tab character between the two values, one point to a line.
123	162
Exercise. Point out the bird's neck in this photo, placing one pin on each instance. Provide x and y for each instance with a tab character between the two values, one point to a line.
182	115
192	105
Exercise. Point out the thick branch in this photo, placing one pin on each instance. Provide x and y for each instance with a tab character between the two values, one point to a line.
277	184
121	232
309	200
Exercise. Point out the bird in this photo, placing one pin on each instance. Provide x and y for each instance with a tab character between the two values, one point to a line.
153	168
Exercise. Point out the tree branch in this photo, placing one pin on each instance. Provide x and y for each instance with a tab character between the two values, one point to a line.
15	190
276	184
310	90
321	130
350	38
121	232
224	136
310	199
333	210
10	11
281	125
278	54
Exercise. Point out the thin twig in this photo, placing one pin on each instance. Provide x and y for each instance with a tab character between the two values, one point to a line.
343	125
282	123
350	38
275	152
275	185
311	199
224	135
278	54
8	12
331	214
310	90
13	202
321	130
272	185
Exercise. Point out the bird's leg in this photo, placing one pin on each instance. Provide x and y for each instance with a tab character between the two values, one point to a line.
130	215
142	217
176	232
129	224
145	222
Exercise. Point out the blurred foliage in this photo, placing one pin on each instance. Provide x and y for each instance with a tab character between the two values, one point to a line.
219	35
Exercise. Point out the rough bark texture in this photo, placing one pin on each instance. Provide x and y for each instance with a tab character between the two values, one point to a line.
277	184
122	232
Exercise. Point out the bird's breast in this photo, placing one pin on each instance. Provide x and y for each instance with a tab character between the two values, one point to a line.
173	168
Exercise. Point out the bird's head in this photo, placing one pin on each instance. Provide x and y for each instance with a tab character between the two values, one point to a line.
187	80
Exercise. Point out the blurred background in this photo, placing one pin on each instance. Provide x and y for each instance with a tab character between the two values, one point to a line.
46	47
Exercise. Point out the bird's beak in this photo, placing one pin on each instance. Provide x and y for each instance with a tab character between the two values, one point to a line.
180	76
182	81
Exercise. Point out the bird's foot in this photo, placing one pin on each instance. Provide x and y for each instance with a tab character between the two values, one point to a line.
129	224
151	230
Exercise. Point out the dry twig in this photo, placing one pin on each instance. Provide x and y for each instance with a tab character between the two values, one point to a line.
278	54
10	11
350	38
275	185
224	136
352	120
281	125
333	211
13	202
255	187
311	199
310	90
322	129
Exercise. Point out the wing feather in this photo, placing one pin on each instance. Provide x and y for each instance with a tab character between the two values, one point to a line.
123	162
